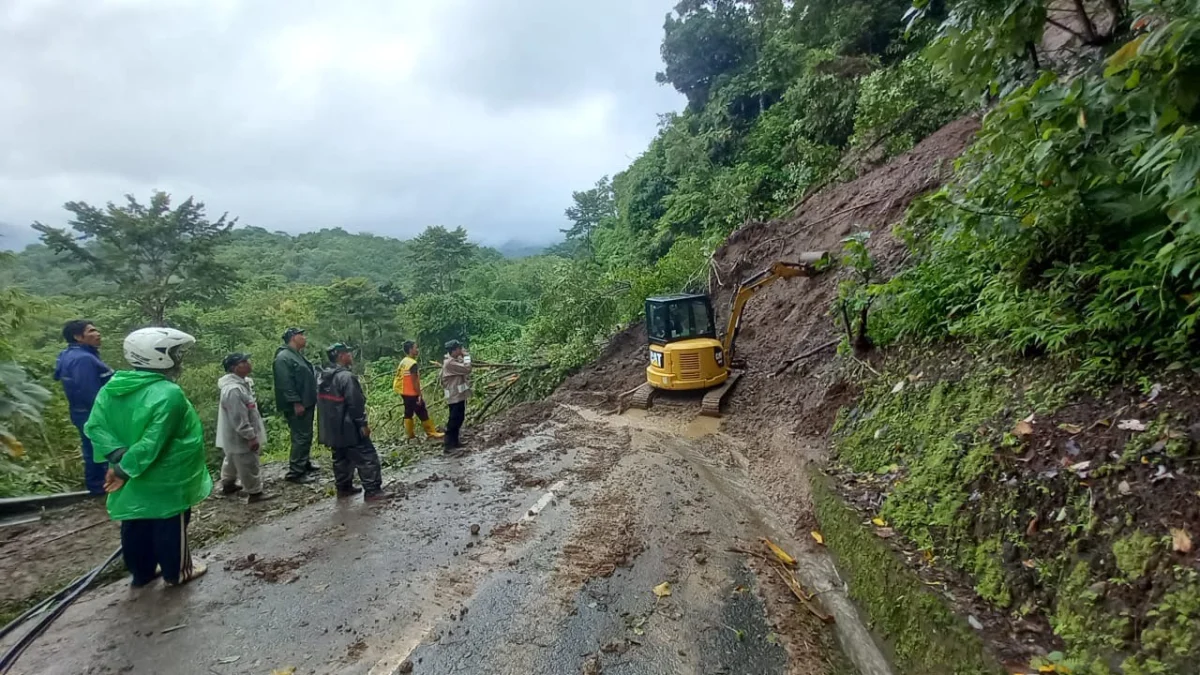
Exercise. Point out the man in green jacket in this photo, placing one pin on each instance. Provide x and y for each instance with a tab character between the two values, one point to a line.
296	397
150	434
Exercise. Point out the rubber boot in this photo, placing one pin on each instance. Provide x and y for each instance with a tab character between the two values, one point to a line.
431	431
410	427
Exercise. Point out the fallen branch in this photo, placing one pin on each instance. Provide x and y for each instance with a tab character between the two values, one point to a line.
483	411
792	361
805	598
75	531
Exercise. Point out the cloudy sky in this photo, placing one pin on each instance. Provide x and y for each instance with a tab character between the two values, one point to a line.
373	115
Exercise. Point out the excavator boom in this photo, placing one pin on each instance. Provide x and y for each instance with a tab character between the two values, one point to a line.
808	265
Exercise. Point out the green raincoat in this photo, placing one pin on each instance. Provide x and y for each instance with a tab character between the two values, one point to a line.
148	416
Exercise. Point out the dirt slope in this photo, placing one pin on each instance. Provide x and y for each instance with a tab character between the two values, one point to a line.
789	318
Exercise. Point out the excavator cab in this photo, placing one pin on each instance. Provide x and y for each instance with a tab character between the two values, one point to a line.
684	350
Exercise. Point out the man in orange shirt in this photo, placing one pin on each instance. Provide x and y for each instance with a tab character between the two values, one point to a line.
408	385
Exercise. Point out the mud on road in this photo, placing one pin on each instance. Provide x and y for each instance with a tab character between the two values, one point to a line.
539	553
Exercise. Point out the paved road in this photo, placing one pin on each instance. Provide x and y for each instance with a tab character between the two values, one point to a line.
578	522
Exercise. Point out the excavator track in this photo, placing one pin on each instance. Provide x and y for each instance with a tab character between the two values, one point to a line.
711	405
641	397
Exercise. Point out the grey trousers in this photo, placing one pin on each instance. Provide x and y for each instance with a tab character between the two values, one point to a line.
363	457
243	466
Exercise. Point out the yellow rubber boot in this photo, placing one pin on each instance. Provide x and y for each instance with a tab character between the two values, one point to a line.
410	427
431	431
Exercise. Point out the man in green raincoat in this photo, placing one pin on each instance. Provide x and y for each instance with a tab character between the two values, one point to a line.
150	434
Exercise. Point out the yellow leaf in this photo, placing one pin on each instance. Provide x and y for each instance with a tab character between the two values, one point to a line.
290	670
819	537
1181	540
663	590
780	554
1049	668
1023	428
1071	428
879	522
1120	60
1082	118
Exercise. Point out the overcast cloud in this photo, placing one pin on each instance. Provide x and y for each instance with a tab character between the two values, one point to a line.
373	115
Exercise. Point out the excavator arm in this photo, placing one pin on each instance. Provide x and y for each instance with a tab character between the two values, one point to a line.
808	265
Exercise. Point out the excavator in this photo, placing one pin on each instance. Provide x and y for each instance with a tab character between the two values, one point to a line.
686	354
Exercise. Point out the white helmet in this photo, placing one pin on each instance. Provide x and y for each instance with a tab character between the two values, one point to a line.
155	348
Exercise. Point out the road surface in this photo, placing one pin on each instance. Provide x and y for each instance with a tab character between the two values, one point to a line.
579	520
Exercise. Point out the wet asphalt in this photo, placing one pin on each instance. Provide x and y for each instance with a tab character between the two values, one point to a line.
345	587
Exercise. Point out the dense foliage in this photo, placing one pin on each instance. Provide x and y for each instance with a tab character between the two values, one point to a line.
1072	226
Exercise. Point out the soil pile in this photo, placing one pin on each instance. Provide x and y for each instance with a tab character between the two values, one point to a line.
790	317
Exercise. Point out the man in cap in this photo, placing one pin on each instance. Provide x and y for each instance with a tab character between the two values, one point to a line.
407	384
296	398
344	428
240	430
456	381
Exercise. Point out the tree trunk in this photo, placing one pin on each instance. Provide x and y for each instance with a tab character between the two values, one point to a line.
1089	29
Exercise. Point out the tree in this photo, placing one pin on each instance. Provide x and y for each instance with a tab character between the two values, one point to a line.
156	256
436	259
705	39
592	207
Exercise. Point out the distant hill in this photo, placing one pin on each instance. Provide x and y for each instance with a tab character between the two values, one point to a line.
514	248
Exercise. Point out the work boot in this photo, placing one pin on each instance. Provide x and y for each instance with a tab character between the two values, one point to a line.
348	492
313	467
431	431
230	488
381	496
260	497
410	428
301	480
197	571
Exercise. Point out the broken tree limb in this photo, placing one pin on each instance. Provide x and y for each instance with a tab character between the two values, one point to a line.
815	350
797	590
76	531
498	395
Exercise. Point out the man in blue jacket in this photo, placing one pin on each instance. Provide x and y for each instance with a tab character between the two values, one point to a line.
82	374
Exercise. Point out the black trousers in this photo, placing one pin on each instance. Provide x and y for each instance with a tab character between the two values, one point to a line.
365	459
157	543
414	406
302	438
458	412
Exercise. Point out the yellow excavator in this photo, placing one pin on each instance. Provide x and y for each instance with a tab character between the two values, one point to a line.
685	351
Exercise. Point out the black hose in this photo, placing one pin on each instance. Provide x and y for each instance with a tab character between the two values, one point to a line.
72	594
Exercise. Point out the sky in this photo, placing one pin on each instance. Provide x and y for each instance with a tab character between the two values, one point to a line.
382	116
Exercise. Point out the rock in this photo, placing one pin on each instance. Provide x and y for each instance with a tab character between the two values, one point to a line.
475	529
592	666
615	647
406	667
700	558
1099	589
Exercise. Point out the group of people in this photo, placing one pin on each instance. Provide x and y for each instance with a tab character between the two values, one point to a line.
143	443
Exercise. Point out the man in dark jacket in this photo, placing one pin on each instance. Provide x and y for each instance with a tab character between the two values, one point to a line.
296	397
82	374
342	407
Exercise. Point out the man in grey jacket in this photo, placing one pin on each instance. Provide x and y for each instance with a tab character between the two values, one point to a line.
456	382
240	430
